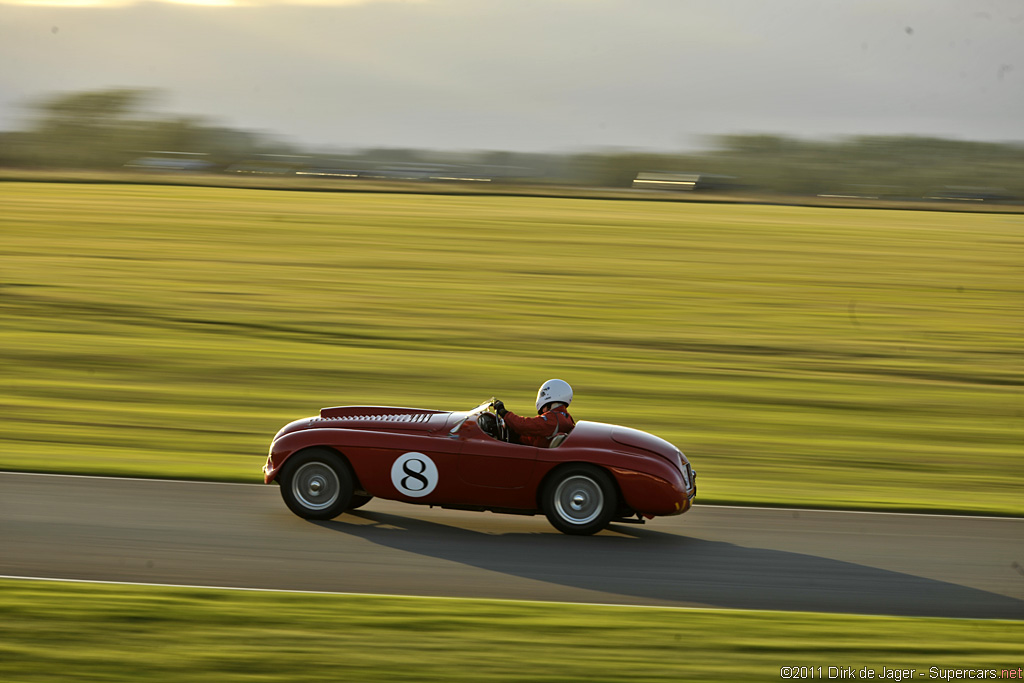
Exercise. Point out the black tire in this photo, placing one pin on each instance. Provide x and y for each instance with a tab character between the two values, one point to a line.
359	501
580	499
317	483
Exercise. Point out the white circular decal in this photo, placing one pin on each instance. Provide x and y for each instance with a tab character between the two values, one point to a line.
414	474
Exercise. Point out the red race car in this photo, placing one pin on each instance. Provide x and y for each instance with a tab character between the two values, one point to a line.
597	474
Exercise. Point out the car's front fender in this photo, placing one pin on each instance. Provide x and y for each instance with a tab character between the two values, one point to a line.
360	447
288	443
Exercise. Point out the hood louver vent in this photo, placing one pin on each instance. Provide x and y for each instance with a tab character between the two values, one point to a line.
391	418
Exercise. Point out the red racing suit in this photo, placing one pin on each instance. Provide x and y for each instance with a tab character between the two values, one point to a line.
537	431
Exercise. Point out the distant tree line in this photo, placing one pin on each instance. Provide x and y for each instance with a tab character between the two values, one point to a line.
104	129
886	166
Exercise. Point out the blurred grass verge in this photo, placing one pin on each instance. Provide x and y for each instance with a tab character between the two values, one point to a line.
71	632
799	356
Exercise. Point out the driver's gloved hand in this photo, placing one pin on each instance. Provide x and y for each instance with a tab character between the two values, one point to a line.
499	408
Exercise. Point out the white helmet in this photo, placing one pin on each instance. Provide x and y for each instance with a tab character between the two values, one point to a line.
553	391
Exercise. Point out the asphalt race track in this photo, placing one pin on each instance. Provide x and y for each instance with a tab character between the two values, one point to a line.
203	534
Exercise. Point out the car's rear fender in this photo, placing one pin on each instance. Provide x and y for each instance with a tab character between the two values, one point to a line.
652	495
648	484
637	461
553	471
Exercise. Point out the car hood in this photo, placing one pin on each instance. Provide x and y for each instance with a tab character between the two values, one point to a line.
384	416
375	418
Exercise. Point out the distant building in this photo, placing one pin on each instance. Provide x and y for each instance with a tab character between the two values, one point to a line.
682	182
865	191
171	162
965	193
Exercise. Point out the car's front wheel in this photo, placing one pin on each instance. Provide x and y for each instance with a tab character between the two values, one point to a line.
317	483
580	500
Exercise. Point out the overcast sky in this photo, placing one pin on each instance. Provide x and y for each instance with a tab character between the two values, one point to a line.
537	75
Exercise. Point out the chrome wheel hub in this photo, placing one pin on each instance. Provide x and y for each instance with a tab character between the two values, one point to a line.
579	500
316	486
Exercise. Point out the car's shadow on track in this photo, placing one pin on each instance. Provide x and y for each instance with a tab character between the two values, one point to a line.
661	568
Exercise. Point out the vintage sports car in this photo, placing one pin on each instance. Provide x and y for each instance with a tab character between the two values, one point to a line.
595	475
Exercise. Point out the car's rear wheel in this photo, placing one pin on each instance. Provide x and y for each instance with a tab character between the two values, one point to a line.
317	483
580	500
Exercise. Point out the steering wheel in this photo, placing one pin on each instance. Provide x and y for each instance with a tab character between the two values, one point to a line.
491	425
502	429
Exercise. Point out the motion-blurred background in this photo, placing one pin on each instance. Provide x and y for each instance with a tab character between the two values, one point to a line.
786	236
165	312
910	99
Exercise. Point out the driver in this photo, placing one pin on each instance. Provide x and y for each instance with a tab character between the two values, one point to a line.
553	399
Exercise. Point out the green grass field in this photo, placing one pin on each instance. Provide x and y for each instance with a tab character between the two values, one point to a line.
804	356
78	632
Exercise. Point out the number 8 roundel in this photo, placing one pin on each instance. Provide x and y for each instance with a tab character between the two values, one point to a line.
414	474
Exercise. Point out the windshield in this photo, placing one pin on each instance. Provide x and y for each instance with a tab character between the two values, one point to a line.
482	408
